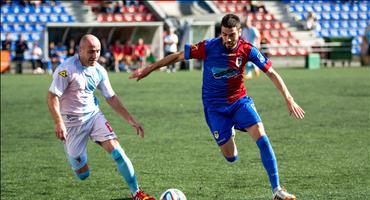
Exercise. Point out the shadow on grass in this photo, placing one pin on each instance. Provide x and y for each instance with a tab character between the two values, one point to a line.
122	199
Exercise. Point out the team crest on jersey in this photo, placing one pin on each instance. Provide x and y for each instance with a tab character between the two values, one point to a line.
239	61
216	134
63	73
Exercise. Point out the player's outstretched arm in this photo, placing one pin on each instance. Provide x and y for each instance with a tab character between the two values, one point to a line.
168	60
54	108
293	108
116	104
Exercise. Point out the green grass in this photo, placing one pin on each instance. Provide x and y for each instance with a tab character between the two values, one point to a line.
324	156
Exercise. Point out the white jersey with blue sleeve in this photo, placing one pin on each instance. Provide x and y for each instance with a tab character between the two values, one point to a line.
75	84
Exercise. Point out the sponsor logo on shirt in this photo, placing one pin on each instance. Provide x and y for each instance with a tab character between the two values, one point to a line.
63	73
224	72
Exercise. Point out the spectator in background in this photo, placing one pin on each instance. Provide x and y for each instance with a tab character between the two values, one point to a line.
106	7
7	43
118	5
311	21
128	54
141	51
20	48
251	35
170	46
61	51
365	47
105	58
131	2
117	51
36	58
71	50
258	6
53	56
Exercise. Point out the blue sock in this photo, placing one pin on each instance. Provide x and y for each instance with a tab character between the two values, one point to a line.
125	168
269	160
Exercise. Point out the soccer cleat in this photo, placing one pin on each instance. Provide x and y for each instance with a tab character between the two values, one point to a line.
140	195
282	195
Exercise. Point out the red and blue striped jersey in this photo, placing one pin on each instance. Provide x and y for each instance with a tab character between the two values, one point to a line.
223	69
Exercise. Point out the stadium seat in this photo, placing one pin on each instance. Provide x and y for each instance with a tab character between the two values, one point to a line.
23	18
344	15
317	8
335	16
19	28
353	15
118	17
44	18
29	27
45	9
33	18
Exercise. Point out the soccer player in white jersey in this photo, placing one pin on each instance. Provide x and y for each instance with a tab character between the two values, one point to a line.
77	116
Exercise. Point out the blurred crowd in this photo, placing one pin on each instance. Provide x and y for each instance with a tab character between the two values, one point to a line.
119	56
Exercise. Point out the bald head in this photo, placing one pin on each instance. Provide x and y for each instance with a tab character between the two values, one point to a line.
89	50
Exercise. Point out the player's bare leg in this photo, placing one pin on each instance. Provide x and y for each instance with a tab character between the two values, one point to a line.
229	150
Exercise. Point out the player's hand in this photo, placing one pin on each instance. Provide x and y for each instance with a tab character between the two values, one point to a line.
295	109
140	73
138	127
60	131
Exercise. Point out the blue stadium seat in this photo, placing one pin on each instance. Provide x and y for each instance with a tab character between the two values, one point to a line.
54	18
308	8
39	27
344	24
334	24
362	15
363	7
58	10
335	7
6	9
45	9
362	23
29	27
353	24
326	15
23	18
36	36
44	18
18	9
343	32
29	9
7	27
4	19
19	28
66	18
353	32
325	24
326	7
333	33
344	15
317	8
33	18
12	18
335	16
353	15
300	16
345	7
324	33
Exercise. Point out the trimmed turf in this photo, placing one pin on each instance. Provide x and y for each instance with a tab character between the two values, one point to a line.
324	156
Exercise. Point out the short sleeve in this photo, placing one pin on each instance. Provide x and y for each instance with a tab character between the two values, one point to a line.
60	81
104	86
259	59
197	51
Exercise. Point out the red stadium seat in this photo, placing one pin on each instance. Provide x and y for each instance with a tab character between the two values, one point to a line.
118	17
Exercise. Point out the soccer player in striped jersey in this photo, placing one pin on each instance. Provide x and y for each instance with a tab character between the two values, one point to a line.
226	105
77	116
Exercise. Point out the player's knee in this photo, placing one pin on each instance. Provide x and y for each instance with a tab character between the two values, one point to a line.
83	175
232	158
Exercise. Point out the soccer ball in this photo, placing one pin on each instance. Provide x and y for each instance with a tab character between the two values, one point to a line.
172	194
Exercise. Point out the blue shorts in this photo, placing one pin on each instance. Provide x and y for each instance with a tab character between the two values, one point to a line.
222	120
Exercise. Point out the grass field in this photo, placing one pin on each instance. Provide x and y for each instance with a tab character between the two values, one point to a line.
325	156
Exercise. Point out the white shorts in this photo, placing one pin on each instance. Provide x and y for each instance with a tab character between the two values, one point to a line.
97	128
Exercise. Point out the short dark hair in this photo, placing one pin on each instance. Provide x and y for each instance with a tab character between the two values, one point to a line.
230	21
